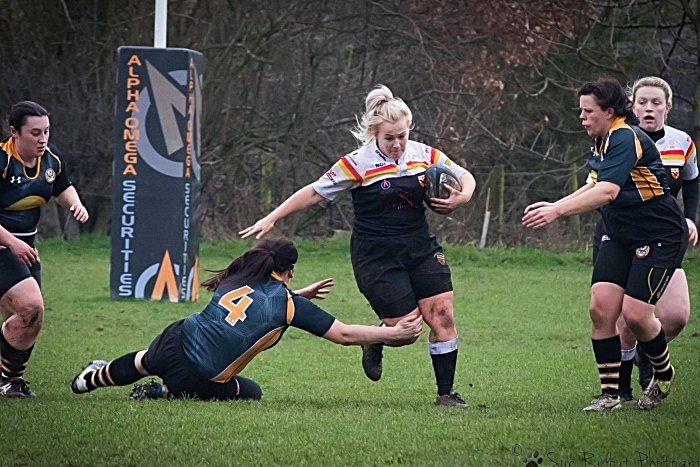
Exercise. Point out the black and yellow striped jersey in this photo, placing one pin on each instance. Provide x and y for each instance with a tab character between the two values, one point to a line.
23	189
241	321
627	157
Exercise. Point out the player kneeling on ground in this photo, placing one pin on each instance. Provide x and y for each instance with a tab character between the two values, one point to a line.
202	355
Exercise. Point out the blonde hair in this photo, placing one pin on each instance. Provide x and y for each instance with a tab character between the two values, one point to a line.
380	106
653	82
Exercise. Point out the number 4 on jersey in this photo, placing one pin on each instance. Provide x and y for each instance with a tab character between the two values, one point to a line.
236	302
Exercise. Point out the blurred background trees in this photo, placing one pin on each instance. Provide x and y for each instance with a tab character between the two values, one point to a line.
491	83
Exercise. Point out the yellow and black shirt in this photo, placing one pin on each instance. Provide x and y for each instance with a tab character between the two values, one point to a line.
241	321
627	157
23	190
644	211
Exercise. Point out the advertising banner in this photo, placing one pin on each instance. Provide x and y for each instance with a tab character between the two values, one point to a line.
156	180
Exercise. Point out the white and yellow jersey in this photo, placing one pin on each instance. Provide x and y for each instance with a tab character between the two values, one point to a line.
387	195
369	165
678	155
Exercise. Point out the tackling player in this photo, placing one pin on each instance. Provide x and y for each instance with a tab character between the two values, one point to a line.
202	355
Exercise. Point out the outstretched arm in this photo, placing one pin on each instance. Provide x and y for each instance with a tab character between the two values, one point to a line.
70	200
583	200
408	328
317	290
299	201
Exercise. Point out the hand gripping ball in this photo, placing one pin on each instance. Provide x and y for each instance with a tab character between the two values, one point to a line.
437	176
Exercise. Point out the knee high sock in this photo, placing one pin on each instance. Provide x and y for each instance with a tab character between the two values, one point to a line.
119	372
608	355
657	351
625	383
14	361
444	357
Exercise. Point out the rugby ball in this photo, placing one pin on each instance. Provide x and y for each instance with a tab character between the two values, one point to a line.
436	177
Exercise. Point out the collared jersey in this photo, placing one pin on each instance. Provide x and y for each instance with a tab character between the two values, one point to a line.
241	321
679	158
387	195
627	157
23	190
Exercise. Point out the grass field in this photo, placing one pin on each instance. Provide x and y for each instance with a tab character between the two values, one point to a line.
525	367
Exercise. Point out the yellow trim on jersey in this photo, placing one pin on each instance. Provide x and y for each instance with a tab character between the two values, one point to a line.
290	308
276	276
29	202
647	184
9	147
383	171
691	150
638	146
265	342
60	165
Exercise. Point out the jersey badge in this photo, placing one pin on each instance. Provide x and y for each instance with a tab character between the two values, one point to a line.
675	172
642	251
50	175
440	258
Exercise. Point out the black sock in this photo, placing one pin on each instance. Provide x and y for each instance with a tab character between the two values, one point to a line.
657	351
444	365
625	383
608	355
14	361
119	372
247	389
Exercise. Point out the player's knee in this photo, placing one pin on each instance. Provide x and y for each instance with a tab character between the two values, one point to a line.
248	389
636	322
673	325
600	318
30	313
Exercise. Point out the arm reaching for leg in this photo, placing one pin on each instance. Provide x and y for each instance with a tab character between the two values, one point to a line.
408	328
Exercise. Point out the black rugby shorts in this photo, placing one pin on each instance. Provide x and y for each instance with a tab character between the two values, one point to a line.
643	272
394	273
13	271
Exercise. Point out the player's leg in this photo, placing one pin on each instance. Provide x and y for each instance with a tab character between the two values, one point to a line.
673	310
161	359
607	291
443	345
121	371
238	388
22	308
385	283
629	350
431	281
604	309
646	284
